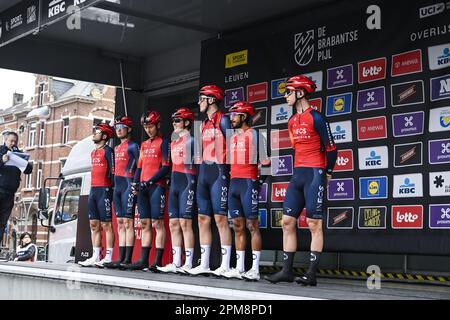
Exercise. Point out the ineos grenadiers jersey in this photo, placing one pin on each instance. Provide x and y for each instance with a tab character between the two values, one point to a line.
182	155
244	154
214	143
311	139
102	172
126	158
153	161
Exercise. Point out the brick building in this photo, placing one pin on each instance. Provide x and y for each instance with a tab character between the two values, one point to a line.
61	113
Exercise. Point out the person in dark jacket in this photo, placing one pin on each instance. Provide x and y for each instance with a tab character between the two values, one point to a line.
9	179
26	251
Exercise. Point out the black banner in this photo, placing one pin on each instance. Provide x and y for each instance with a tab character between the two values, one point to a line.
19	21
383	75
54	10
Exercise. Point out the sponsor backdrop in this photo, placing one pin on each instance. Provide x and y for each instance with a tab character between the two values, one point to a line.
383	75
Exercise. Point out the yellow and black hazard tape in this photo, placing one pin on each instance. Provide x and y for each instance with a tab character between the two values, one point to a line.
364	275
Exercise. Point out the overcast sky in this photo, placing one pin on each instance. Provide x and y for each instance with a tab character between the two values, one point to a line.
15	81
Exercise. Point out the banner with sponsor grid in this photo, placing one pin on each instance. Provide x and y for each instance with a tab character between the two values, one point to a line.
382	71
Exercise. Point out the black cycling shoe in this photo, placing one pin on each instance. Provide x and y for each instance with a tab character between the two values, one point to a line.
139	265
112	264
125	265
280	276
306	280
154	268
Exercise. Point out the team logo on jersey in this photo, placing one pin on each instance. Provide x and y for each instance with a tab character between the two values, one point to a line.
439	151
407	217
341	131
372	217
373	158
439	119
373	188
407	93
341	189
340	218
340	76
408	124
408	154
339	104
439	216
371	99
408	185
440	88
406	63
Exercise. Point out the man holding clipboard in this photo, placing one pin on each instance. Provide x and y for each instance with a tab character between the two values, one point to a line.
12	163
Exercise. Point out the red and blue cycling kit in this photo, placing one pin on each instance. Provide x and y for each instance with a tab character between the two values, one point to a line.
102	175
126	157
152	167
315	155
213	178
183	179
245	155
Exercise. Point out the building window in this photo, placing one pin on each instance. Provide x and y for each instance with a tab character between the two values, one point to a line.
97	121
32	134
65	133
29	181
41	95
42	134
2	120
39	175
63	162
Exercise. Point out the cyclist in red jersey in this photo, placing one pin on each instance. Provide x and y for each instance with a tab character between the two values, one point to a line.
213	180
247	150
101	194
126	156
315	156
182	191
150	186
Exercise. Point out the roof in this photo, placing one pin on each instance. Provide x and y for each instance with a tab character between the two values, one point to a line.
23	107
155	40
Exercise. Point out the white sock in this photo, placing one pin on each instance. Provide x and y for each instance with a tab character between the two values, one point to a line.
205	256
240	261
189	256
96	253
256	256
226	254
109	254
176	252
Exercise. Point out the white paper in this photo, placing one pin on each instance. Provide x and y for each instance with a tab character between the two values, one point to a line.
16	161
